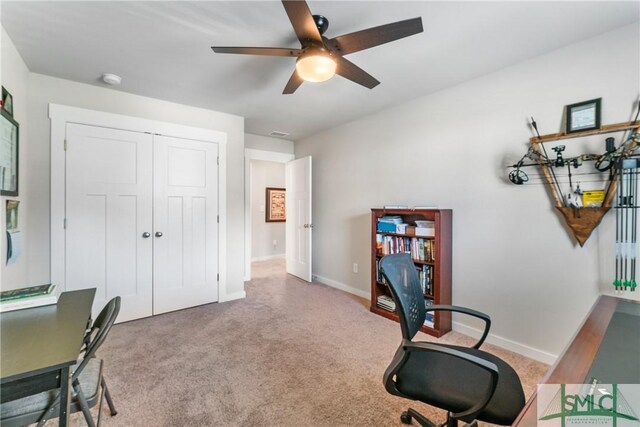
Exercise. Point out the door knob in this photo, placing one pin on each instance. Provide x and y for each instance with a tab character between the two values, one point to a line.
146	234
158	233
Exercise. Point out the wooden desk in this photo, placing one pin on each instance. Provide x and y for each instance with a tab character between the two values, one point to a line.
40	344
574	364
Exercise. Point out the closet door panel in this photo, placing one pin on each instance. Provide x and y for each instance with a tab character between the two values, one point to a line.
108	208
185	213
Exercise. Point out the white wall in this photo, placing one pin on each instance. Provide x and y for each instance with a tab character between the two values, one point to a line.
267	143
44	90
512	256
14	78
265	174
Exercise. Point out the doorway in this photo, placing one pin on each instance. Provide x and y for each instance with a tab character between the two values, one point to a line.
268	238
266	163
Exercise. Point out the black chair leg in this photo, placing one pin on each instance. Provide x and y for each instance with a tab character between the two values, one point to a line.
100	403
84	405
112	408
451	422
51	412
411	413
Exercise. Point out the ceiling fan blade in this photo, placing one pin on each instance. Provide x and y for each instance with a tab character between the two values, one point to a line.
351	71
270	51
294	83
302	21
360	40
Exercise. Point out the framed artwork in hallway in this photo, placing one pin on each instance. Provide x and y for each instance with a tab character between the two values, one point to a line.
275	202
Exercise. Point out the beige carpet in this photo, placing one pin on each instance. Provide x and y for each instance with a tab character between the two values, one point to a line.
290	354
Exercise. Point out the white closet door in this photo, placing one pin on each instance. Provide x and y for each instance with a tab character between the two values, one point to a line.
185	223
108	210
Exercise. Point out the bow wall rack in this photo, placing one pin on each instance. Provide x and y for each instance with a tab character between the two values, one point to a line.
583	220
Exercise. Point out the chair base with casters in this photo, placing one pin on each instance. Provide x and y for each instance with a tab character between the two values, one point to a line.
407	416
470	384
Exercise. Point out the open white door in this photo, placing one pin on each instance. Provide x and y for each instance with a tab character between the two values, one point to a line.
299	225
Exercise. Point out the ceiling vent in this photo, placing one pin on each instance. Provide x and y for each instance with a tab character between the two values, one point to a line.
278	134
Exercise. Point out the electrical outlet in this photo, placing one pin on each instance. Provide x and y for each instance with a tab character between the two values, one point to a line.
275	242
355	267
261	208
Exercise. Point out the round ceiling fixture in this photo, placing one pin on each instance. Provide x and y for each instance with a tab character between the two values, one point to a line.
316	65
111	79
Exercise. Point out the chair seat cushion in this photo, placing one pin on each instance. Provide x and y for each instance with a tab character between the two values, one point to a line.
456	385
36	404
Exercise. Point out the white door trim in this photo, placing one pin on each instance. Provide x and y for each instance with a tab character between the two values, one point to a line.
252	154
60	115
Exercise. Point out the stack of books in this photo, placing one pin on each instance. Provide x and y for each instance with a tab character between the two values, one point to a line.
428	319
33	296
385	302
390	223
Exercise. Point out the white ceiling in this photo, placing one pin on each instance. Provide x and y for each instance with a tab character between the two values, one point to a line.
162	50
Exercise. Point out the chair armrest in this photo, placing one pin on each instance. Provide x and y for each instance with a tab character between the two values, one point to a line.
470	312
488	366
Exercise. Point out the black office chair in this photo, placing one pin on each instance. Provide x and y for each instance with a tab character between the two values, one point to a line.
470	384
88	384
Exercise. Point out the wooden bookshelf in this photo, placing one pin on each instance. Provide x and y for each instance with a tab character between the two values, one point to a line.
440	264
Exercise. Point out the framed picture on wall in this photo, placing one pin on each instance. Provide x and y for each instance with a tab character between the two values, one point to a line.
583	116
9	130
7	101
276	211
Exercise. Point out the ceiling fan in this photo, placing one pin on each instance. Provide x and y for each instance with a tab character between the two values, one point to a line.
319	58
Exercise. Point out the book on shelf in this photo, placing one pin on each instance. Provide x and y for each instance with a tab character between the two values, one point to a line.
429	322
396	206
396	219
385	302
391	224
429	317
379	276
425	276
29	301
421	249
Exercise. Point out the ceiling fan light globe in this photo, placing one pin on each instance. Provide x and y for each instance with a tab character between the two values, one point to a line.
316	68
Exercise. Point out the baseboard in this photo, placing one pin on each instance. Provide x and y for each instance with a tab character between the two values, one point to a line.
267	258
342	287
233	296
530	352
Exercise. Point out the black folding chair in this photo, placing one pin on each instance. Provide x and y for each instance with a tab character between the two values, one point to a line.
89	386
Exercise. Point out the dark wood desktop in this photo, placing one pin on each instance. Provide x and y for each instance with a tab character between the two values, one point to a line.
577	360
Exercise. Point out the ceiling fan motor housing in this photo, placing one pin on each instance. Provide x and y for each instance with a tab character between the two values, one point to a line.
321	22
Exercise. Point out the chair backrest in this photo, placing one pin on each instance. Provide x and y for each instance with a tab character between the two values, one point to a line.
404	283
98	332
